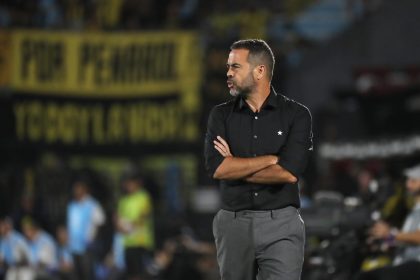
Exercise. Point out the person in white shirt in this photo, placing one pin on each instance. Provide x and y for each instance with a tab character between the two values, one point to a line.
15	256
406	264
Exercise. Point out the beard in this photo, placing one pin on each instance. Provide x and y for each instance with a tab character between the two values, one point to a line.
244	89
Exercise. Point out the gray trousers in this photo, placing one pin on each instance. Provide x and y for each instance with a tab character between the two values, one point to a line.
263	245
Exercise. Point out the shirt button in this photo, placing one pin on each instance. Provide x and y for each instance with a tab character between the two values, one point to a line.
256	117
256	194
255	136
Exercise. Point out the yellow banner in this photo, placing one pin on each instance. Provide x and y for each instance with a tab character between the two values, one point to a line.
79	123
107	64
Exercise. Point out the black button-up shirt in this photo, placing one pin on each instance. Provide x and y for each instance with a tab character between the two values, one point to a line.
282	127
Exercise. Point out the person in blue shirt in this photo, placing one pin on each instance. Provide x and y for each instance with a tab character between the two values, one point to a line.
15	256
65	259
43	248
118	251
84	216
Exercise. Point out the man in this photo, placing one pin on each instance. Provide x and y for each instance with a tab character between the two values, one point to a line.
257	145
84	216
135	223
15	256
406	265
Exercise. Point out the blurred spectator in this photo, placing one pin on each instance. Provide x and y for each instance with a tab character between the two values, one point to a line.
108	13
188	12
74	13
43	249
186	257
65	259
139	14
114	265
15	255
5	17
118	252
84	216
205	256
367	186
406	263
49	14
173	15
135	223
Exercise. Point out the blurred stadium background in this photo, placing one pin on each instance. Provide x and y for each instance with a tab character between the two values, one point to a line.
98	88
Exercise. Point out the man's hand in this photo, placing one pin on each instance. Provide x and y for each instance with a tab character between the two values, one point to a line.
380	230
262	170
233	168
222	147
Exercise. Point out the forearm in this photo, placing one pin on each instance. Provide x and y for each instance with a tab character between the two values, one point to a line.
408	237
273	174
233	168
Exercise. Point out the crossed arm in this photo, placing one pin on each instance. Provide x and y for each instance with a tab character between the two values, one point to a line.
382	230
262	169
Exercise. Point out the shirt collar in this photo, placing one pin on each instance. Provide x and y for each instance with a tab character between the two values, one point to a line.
270	102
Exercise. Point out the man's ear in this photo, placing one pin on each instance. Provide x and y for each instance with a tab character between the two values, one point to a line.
260	71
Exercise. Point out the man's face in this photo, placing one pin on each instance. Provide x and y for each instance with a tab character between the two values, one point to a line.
29	232
5	227
413	186
131	186
2	228
79	190
62	235
240	73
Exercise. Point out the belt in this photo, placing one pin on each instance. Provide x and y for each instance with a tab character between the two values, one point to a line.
262	213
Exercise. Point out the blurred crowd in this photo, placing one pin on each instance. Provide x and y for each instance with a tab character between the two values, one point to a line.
93	15
221	19
91	244
362	221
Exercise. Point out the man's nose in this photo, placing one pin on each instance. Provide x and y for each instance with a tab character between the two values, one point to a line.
229	73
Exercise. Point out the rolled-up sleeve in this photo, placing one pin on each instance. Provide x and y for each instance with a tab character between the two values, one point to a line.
295	154
215	127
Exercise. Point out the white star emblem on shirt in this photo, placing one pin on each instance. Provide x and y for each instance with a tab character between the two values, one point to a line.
279	132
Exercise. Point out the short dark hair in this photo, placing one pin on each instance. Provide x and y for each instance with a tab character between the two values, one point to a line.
82	178
31	222
259	51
